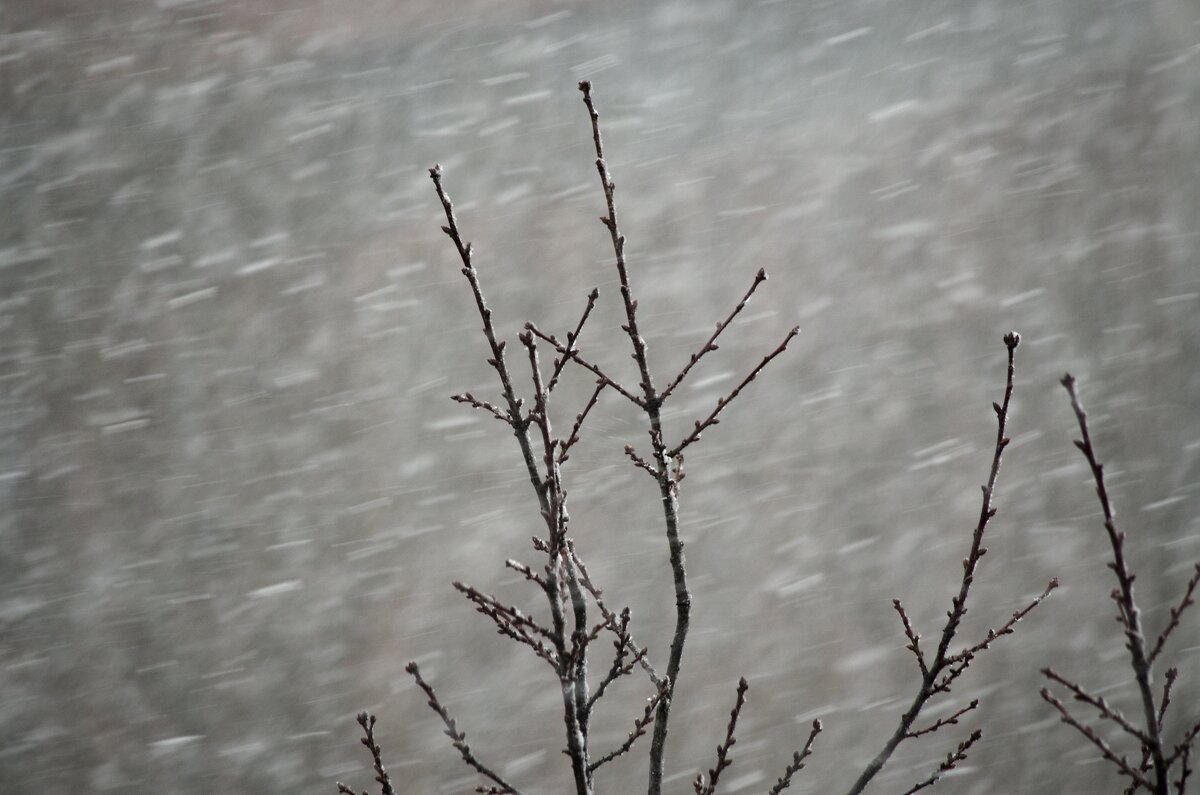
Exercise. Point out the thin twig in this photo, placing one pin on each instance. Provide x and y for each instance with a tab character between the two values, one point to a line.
623	634
1128	613
1177	613
512	623
952	759
723	760
579	418
1087	731
711	419
950	721
367	721
491	408
458	739
651	403
572	337
1100	704
797	763
957	663
710	345
943	667
914	639
639	729
587	365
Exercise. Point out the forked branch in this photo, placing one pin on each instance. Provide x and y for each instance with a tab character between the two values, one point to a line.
937	673
1153	772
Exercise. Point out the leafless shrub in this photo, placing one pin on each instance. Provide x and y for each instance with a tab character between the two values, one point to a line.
563	638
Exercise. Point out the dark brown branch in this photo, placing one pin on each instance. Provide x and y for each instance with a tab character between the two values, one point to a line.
950	721
491	408
1127	608
512	623
957	663
623	635
618	242
587	365
797	763
497	360
458	739
528	573
952	759
1087	731
572	661
944	668
579	418
914	639
1177	613
723	760
639	730
642	463
651	403
572	337
1189	739
710	345
711	419
1100	704
367	721
621	664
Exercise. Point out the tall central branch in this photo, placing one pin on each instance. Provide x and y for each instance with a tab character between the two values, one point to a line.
666	484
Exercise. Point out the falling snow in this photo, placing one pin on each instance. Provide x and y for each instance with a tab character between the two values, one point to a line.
235	490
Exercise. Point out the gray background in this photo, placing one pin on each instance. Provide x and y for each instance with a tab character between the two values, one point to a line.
235	491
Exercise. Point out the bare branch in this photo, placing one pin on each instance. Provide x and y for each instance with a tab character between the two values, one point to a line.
639	730
1177	613
1100	704
723	760
1127	608
952	759
944	667
528	573
711	419
512	623
572	337
642	463
491	408
914	639
950	721
1087	731
458	739
574	355
579	418
623	634
957	663
710	345
797	763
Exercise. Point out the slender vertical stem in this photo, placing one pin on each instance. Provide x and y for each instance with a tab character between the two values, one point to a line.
1128	613
668	489
931	681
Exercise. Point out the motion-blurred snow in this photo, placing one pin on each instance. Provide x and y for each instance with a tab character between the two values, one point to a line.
235	491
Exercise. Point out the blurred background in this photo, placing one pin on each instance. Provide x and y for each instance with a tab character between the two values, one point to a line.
235	491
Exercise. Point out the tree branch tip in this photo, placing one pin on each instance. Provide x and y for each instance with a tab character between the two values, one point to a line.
435	173
585	86
1012	339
